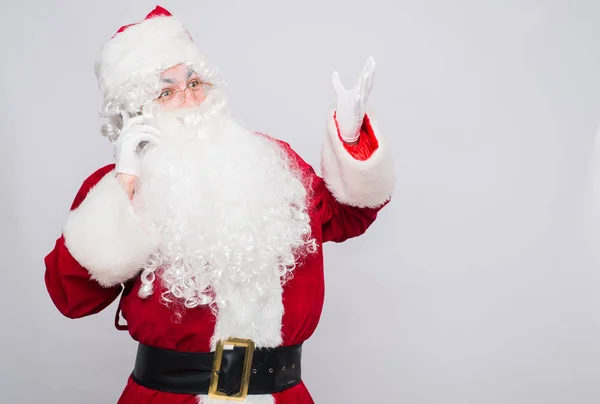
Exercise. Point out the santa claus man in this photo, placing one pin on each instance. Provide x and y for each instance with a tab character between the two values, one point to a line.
210	234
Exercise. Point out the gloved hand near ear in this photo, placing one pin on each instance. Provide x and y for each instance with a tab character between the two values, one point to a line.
127	154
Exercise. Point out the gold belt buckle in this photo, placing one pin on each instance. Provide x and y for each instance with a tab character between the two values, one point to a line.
214	377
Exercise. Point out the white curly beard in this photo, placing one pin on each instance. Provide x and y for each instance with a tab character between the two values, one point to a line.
232	213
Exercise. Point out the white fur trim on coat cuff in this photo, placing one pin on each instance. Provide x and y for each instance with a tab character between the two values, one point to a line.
367	183
105	236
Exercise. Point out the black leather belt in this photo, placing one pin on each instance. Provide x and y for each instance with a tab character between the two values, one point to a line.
225	373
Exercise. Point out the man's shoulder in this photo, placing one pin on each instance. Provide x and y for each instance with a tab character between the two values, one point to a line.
281	143
274	139
97	175
293	156
90	182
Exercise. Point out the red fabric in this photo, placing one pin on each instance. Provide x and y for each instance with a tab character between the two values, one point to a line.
367	142
157	12
151	322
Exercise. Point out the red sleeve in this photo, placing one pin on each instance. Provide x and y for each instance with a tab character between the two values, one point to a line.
366	144
69	285
73	292
340	222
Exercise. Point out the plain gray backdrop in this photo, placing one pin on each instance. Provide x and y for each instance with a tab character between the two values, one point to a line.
472	287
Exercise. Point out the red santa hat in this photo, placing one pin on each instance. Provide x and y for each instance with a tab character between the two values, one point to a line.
140	50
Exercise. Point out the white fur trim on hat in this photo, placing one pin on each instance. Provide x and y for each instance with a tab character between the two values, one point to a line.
141	51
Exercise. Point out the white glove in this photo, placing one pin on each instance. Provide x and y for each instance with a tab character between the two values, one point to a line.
352	104
134	131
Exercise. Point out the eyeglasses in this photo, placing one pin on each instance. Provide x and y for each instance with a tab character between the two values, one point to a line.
197	89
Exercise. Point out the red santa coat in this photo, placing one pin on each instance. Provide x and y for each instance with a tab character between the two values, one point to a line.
357	182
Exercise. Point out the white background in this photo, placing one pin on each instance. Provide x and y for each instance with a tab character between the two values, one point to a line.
472	287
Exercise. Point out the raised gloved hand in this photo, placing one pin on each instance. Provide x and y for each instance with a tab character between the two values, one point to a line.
352	104
127	149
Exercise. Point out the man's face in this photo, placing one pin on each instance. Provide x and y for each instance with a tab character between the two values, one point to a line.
181	88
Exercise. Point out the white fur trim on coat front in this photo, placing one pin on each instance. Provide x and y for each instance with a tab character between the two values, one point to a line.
105	236
240	315
368	183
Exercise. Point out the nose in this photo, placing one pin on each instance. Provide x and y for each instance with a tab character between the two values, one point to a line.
191	98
